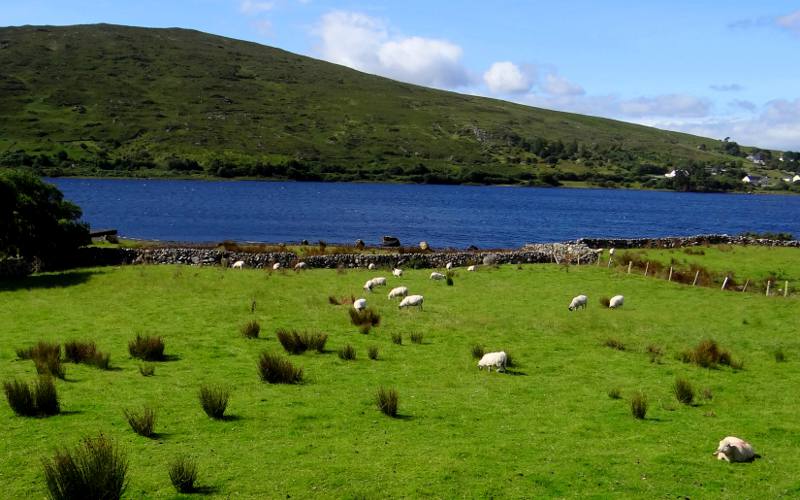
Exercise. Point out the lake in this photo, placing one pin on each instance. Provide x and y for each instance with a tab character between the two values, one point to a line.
455	216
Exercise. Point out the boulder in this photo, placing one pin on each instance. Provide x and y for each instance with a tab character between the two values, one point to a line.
390	241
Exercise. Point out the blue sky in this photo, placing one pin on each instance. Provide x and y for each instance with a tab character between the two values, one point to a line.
712	68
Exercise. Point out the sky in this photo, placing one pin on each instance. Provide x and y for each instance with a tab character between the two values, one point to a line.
713	68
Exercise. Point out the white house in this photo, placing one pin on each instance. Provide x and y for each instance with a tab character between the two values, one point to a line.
676	172
796	178
755	180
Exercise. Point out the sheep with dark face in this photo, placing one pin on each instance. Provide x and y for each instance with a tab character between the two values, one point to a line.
734	449
579	302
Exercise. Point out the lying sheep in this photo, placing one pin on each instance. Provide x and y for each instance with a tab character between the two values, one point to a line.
578	302
360	304
496	359
300	265
400	291
239	264
411	301
276	266
437	276
397	272
733	449
616	301
372	266
471	268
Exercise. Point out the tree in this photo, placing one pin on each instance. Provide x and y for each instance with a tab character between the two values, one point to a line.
35	220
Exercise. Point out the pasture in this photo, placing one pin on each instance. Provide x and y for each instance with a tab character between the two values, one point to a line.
546	428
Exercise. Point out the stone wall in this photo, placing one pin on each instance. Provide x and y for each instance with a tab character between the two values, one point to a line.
682	241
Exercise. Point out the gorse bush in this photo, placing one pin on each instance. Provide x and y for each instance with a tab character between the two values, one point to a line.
149	348
416	337
299	342
214	400
147	369
251	329
347	353
95	469
639	405
683	390
387	400
143	424
39	399
276	370
478	351
372	352
365	316
183	474
707	354
397	338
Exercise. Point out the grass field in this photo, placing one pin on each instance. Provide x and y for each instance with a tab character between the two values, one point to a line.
546	428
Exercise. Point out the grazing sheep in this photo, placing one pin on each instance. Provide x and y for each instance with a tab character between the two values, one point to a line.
368	286
733	449
578	302
616	301
239	264
372	266
411	301
397	272
400	291
360	304
496	359
379	281
449	265
276	266
437	276
300	265
471	268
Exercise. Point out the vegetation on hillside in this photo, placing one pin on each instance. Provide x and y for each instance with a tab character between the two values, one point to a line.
110	100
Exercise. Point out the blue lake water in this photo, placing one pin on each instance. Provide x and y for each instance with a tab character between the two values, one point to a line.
457	216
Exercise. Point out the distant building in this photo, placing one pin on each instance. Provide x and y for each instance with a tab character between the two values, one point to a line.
755	180
677	172
757	159
796	178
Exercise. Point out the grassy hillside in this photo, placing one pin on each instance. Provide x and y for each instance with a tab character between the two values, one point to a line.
115	100
546	429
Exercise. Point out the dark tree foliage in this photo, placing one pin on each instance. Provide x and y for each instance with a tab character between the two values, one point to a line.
35	220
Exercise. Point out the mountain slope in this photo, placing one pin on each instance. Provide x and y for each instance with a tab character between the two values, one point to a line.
107	99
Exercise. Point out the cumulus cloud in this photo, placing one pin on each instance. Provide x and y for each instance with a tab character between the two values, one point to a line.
366	44
506	77
790	22
251	7
559	86
726	87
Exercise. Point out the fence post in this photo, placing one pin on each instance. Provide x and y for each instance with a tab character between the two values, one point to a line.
786	289
724	283
598	258
646	267
609	261
745	286
696	275
579	259
670	274
630	263
768	283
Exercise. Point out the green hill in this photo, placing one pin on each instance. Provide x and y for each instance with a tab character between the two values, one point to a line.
115	100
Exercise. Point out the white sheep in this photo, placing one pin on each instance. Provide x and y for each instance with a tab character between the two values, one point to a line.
400	291
300	265
360	304
734	449
437	276
471	268
616	301
379	281
372	266
578	302
411	301
449	265
276	266
239	264
496	359
611	252
397	272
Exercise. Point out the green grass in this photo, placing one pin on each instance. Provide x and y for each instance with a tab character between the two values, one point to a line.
547	428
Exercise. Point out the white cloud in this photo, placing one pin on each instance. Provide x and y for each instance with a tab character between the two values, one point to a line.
559	86
790	22
506	77
366	44
251	7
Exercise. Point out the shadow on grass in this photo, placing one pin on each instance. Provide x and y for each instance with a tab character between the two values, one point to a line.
516	373
55	280
231	418
205	490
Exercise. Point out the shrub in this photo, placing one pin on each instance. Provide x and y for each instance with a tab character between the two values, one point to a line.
143	423
183	474
605	301
347	353
707	354
683	390
478	351
639	405
372	352
614	344
416	337
365	316
397	338
655	352
386	399
147	369
38	399
780	356
251	329
94	469
276	370
614	393
148	348
214	400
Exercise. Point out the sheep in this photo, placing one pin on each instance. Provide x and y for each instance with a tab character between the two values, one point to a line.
611	252
733	449
471	268
411	301
437	276
616	301
360	304
496	359
276	266
449	266
372	266
400	291
578	302
300	265
397	272
239	264
370	284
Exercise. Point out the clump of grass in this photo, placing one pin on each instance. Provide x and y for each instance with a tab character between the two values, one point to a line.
365	329
50	365
614	393
183	474
333	301
387	399
365	316
478	351
605	301
86	352
39	399
683	390
144	423
251	329
41	349
397	338
707	354
214	400
655	353
639	405
147	369
147	348
94	469
736	364
707	394
299	342
347	353
780	356
416	337
372	352
316	340
510	360
614	344
276	370
449	281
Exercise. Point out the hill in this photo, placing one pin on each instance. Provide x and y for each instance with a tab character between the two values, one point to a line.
117	100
